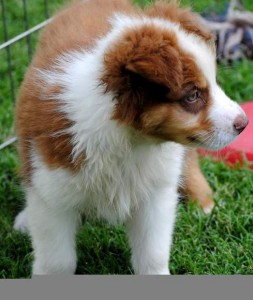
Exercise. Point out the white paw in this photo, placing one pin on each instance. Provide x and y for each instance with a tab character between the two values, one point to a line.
208	209
21	222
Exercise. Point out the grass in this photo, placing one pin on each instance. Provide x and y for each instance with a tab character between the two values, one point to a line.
220	243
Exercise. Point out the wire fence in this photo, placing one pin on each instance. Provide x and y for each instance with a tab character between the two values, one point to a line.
7	42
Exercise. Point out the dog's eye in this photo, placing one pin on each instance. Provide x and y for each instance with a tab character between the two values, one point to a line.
193	97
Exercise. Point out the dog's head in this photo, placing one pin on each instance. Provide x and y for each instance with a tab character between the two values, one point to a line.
163	76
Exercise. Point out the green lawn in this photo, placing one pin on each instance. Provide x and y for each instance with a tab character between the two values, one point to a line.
220	243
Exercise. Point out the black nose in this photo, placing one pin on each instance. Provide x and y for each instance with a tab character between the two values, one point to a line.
240	123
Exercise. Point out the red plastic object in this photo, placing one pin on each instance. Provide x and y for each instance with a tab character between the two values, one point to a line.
241	150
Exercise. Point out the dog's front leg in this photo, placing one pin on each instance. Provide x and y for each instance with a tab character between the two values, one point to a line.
53	236
150	232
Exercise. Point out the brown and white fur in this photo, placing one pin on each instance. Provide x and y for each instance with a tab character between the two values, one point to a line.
111	99
195	187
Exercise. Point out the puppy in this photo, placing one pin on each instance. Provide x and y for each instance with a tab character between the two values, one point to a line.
113	96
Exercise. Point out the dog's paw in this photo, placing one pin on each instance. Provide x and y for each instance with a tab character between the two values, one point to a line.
21	222
208	208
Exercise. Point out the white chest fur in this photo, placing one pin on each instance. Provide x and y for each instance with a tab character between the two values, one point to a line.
111	184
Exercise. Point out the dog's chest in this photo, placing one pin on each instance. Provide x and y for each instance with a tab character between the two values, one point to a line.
113	186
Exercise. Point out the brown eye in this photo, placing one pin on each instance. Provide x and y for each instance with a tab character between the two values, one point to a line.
193	97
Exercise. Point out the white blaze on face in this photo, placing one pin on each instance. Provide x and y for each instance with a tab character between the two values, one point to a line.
226	116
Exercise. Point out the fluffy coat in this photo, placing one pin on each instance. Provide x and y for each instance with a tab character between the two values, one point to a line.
111	99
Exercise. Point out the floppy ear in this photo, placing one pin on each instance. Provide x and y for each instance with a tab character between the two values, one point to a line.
140	68
147	80
149	52
163	67
145	86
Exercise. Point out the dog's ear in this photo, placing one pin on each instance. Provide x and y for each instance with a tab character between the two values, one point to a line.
147	79
160	65
144	86
139	70
148	53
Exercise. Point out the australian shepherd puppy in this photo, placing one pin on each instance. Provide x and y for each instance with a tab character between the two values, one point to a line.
111	99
